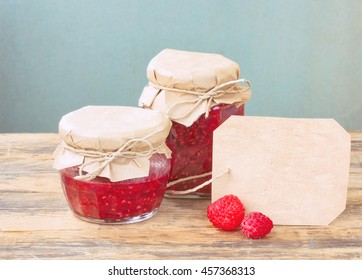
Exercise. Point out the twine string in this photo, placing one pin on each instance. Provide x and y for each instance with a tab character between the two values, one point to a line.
226	171
210	95
105	158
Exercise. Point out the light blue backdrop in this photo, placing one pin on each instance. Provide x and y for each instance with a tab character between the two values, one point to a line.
304	58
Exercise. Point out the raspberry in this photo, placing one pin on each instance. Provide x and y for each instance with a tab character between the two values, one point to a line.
226	213
256	225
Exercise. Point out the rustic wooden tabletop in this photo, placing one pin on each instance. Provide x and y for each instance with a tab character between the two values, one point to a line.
36	223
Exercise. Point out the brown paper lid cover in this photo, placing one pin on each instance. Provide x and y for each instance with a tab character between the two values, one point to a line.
181	84
191	70
107	128
104	130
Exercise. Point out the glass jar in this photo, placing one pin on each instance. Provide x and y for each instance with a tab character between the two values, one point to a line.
192	150
127	201
198	91
129	188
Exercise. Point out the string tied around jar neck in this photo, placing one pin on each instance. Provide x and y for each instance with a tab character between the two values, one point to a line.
105	158
209	96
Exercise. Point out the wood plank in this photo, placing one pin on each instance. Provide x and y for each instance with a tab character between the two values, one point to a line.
36	223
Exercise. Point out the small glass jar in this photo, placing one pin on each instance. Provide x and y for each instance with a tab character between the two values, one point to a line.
127	201
198	91
101	195
192	150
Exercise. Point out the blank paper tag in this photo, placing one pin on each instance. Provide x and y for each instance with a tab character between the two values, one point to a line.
293	170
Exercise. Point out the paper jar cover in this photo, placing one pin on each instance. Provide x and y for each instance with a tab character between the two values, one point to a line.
293	170
105	129
192	71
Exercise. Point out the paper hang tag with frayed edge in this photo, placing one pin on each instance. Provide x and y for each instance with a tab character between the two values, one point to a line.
293	170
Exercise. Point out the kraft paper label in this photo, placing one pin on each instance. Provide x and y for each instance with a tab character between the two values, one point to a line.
293	170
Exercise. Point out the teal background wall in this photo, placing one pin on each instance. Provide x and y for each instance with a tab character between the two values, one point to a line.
304	58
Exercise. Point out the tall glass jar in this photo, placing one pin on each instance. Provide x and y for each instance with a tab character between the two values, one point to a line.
198	91
113	161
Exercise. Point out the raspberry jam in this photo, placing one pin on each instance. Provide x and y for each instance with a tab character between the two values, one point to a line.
192	150
102	201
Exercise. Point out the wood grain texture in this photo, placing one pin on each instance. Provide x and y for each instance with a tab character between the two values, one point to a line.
36	223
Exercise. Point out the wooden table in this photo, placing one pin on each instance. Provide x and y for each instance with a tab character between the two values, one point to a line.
36	223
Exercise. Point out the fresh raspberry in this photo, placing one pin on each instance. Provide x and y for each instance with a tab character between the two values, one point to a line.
256	225
226	213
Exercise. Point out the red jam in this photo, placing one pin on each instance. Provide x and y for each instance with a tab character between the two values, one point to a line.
192	149
102	201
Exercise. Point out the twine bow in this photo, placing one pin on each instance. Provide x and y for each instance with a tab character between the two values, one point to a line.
210	95
105	158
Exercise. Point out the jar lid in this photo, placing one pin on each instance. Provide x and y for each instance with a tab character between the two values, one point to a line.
186	85
191	70
115	142
107	128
